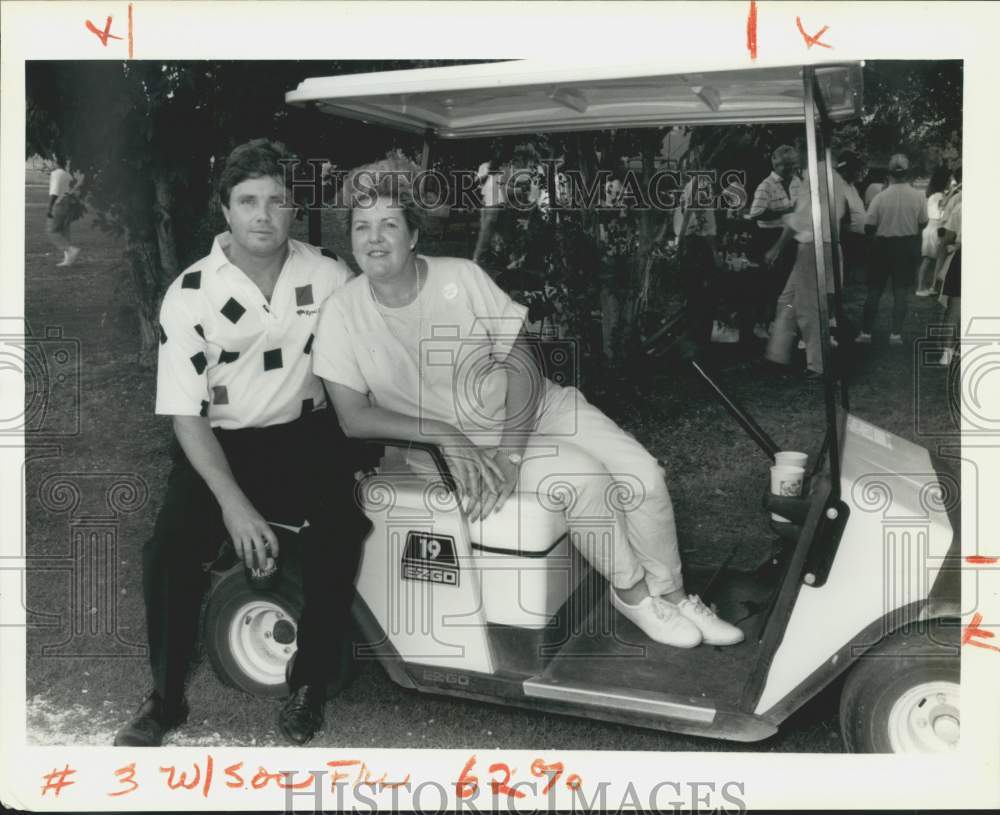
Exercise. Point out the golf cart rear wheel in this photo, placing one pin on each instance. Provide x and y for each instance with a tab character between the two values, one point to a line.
250	635
903	696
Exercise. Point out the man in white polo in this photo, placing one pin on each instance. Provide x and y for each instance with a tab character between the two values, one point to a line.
259	443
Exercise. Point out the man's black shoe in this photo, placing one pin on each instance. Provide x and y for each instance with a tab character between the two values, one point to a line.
152	721
302	714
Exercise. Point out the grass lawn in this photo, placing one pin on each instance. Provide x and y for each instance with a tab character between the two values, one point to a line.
716	476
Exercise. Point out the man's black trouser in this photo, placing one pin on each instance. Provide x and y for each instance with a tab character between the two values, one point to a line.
895	259
290	473
697	267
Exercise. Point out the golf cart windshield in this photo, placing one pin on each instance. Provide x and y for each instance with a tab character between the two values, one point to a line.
520	97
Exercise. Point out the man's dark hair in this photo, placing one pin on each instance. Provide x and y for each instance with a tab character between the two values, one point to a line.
255	159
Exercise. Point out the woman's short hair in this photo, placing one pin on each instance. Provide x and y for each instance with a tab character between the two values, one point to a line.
255	159
392	179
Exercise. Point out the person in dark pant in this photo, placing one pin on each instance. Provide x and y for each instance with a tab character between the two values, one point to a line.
698	256
895	218
258	443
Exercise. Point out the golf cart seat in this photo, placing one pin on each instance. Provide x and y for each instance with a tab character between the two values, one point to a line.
526	562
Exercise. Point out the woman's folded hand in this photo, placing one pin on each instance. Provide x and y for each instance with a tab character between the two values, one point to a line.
494	501
479	477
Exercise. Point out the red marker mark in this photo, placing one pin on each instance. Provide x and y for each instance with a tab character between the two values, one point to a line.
56	780
752	30
502	787
539	769
981	560
973	630
130	41
467	784
814	39
126	776
104	35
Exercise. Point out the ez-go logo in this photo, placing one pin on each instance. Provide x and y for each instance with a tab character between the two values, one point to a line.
430	558
411	572
446	678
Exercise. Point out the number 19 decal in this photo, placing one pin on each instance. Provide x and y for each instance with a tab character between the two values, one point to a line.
430	558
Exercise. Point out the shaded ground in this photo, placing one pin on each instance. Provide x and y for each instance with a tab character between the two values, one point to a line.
81	688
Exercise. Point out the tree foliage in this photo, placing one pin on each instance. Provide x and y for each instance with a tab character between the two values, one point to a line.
150	138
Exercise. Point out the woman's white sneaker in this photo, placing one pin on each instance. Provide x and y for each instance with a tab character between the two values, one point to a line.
660	621
714	631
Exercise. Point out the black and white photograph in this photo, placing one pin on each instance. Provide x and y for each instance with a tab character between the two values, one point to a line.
456	421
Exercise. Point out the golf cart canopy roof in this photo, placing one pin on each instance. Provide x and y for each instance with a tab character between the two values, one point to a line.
524	96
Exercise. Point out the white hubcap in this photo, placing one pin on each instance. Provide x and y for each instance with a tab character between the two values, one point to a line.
925	719
262	638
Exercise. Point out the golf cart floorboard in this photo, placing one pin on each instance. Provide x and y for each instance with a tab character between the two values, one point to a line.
610	651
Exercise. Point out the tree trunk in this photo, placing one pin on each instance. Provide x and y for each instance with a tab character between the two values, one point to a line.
165	239
152	256
144	264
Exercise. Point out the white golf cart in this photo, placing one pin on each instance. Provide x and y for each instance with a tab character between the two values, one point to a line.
504	611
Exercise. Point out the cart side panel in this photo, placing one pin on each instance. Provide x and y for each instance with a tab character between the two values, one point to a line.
891	552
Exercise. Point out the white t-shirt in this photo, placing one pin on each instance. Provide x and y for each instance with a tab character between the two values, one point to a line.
59	182
934	206
856	207
438	358
229	354
801	218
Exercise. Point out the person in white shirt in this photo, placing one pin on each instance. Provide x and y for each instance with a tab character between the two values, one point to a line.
500	424
950	238
60	214
929	241
798	305
774	198
852	234
950	203
258	443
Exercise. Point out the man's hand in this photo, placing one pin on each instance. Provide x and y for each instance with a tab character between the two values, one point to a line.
771	255
252	537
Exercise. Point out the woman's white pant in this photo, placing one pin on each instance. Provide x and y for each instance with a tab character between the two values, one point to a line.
612	490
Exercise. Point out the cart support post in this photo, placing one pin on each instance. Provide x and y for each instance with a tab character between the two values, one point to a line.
835	243
818	215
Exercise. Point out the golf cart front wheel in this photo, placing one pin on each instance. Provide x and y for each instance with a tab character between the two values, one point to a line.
250	635
903	696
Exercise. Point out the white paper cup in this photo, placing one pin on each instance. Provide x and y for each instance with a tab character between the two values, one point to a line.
786	481
791	458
